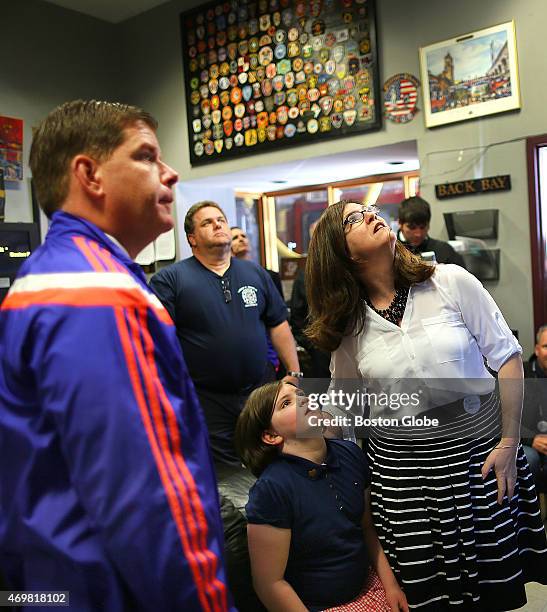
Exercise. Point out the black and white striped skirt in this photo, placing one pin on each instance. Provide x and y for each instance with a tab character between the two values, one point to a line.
450	544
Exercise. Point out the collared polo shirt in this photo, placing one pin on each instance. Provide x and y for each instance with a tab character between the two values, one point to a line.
323	506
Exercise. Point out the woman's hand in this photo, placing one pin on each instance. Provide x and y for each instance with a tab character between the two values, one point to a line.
504	462
397	599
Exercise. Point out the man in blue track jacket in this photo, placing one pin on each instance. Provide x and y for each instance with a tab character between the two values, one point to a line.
107	488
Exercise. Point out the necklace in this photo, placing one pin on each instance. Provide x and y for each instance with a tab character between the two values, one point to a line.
395	311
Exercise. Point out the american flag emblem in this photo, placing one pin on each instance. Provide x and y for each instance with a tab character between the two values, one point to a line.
400	97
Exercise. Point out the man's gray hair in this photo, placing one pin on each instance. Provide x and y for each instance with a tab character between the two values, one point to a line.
540	331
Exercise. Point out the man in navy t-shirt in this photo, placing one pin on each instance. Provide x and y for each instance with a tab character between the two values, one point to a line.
222	307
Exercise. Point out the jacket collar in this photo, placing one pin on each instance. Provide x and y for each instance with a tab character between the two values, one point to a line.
66	224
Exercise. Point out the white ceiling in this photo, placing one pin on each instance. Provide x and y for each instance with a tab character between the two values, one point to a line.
109	10
318	170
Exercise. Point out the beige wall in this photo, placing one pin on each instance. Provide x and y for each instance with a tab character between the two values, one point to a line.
50	55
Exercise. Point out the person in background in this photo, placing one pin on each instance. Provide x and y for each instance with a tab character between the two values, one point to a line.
107	487
241	249
414	218
451	500
311	539
222	308
299	320
535	408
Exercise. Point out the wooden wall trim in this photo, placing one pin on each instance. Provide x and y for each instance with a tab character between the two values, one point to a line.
538	233
376	178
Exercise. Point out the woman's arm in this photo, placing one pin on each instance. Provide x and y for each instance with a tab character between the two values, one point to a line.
269	551
394	595
511	377
503	457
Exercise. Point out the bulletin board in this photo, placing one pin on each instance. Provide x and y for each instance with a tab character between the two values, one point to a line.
264	74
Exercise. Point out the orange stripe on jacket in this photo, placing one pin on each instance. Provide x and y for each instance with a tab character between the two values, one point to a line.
172	453
154	387
101	255
84	297
158	453
81	243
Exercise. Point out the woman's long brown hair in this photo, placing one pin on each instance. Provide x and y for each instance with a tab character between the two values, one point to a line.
335	295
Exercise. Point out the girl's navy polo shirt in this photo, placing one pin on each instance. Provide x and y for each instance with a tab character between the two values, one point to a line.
322	505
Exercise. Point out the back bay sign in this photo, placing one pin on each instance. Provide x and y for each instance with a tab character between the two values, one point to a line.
473	186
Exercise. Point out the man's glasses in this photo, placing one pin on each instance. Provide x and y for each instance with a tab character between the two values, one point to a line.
358	216
225	284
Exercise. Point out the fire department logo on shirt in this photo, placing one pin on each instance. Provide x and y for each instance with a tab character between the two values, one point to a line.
249	296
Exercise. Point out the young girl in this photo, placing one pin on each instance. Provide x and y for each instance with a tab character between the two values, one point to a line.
311	539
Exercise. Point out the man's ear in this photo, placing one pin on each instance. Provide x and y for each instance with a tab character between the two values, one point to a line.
191	240
271	438
85	170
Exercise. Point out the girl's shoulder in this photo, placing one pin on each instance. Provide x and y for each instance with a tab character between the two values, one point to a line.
277	476
271	498
348	453
339	446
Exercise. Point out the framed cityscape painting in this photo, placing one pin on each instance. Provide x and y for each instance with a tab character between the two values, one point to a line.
470	76
264	74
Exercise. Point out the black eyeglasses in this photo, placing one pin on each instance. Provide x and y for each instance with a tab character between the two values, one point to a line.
357	216
225	284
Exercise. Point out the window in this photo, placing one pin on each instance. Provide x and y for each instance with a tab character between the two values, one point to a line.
294	214
386	194
247	218
289	215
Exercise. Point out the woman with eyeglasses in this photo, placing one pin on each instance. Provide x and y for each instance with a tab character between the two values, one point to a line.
452	496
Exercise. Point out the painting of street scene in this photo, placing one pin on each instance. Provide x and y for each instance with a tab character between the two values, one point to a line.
465	73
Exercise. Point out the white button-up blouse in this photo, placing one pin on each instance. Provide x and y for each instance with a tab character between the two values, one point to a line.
450	322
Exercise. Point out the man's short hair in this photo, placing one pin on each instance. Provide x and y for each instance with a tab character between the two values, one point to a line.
414	210
92	127
540	331
189	219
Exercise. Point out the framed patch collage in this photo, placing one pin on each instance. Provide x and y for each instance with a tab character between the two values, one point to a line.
265	74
